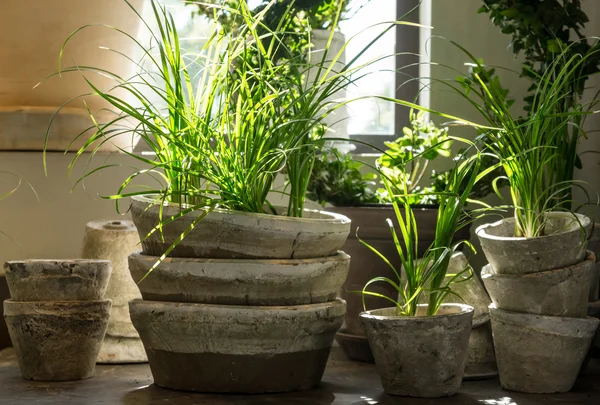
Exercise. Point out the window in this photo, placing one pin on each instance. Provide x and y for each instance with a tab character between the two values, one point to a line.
371	121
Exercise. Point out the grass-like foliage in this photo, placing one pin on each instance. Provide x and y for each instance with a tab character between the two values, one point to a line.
531	149
230	118
425	279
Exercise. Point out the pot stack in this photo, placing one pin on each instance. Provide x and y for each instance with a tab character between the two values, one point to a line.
57	316
244	303
539	288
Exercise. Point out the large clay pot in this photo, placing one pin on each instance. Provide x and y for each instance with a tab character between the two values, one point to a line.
366	265
31	36
238	235
226	348
564	244
540	354
240	281
420	356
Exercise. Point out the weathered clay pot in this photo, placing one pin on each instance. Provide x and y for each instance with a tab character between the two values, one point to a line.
220	348
481	359
241	281
57	280
4	295
558	292
366	265
31	56
594	246
57	341
114	240
540	354
564	244
421	356
236	235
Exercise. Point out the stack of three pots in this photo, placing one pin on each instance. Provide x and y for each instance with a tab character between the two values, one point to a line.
244	303
539	288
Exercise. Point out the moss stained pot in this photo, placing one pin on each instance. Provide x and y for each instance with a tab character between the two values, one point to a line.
420	356
557	292
58	280
365	265
241	281
57	341
237	349
564	244
237	235
540	354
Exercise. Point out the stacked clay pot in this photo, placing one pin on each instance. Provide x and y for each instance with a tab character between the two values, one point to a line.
57	316
244	303
539	288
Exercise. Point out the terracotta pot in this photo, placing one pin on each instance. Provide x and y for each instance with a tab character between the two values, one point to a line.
420	356
237	349
540	354
57	280
564	244
365	265
32	55
240	281
237	235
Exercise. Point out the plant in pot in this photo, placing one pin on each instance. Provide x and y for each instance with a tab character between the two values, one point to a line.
337	179
539	273
421	348
230	282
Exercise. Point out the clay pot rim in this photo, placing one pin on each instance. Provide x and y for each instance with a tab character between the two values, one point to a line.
326	216
338	257
8	263
565	326
462	310
481	230
487	272
243	314
387	206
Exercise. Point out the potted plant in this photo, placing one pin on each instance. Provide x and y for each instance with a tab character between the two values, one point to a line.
227	123
26	109
542	241
421	349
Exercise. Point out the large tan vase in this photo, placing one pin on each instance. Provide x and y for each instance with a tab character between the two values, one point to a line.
31	35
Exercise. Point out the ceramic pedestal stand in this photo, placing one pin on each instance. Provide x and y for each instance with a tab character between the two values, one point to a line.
57	316
539	288
115	240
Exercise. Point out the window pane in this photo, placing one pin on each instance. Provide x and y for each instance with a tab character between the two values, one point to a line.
371	116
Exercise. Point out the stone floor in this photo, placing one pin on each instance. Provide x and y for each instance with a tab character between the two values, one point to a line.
344	383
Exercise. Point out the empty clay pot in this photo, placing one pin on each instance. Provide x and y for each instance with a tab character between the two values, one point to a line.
57	341
236	235
57	280
540	354
241	281
420	356
558	292
564	244
237	349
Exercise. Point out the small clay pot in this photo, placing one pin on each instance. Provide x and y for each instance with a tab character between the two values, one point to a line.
237	349
420	356
57	280
57	341
540	354
564	244
557	292
241	281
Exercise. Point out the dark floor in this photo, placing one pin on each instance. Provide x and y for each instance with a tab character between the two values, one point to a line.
344	383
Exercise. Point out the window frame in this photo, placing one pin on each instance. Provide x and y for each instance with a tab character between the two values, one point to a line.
407	49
